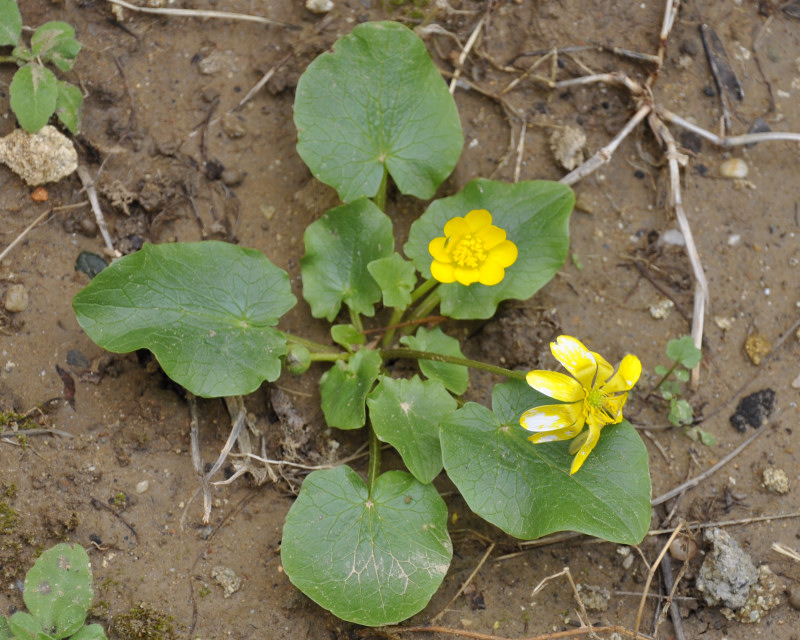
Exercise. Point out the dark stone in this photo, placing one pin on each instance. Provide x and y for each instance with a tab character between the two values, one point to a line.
753	410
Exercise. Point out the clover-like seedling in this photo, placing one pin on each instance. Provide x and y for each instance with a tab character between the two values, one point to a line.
685	356
58	593
36	92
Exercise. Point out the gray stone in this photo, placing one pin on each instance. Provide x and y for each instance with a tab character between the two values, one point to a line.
727	573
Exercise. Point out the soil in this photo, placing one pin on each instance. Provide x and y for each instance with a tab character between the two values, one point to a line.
160	125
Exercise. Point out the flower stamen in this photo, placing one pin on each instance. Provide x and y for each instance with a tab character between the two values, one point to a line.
469	253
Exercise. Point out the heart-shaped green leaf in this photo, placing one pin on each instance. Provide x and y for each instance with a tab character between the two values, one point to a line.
526	489
339	246
396	277
205	309
454	376
10	23
534	214
377	103
34	92
406	414
372	559
344	388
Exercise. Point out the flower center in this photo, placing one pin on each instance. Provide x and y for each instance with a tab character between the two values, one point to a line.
595	398
469	253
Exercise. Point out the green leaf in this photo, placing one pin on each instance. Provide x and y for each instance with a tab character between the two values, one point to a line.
339	246
34	92
205	309
396	277
406	414
69	106
682	375
660	370
370	559
347	336
526	489
376	103
684	351
680	412
344	388
10	23
534	214
454	376
55	42
5	630
90	632
58	589
25	627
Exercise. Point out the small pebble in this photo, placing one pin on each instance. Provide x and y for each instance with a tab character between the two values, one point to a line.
232	177
794	596
233	126
226	578
757	346
142	486
683	549
673	237
775	479
734	169
724	323
319	6
796	383
16	299
734	239
661	309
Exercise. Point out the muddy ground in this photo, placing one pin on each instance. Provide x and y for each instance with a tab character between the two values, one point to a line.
159	126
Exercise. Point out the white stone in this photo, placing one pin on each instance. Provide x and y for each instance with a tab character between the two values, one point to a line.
37	158
319	6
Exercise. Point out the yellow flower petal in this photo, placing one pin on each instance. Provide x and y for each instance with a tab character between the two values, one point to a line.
440	250
604	369
505	253
456	227
491	236
576	358
626	376
583	453
477	219
466	276
556	385
442	272
554	436
491	272
550	418
613	405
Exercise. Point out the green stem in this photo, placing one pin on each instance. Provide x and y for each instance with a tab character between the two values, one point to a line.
397	316
424	309
380	197
8	59
355	320
414	354
329	357
374	469
314	346
664	379
422	289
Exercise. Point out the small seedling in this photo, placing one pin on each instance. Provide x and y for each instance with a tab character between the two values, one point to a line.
58	593
36	92
685	356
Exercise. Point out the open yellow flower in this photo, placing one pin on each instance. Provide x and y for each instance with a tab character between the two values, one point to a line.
594	395
472	250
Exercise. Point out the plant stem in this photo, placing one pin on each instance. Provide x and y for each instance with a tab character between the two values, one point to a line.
397	316
414	354
316	356
664	379
374	469
380	197
422	289
424	309
314	346
355	320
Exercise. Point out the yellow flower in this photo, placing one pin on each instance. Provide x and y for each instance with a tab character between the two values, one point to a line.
472	250
595	397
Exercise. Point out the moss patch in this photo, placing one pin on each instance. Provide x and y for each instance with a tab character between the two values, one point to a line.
143	622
